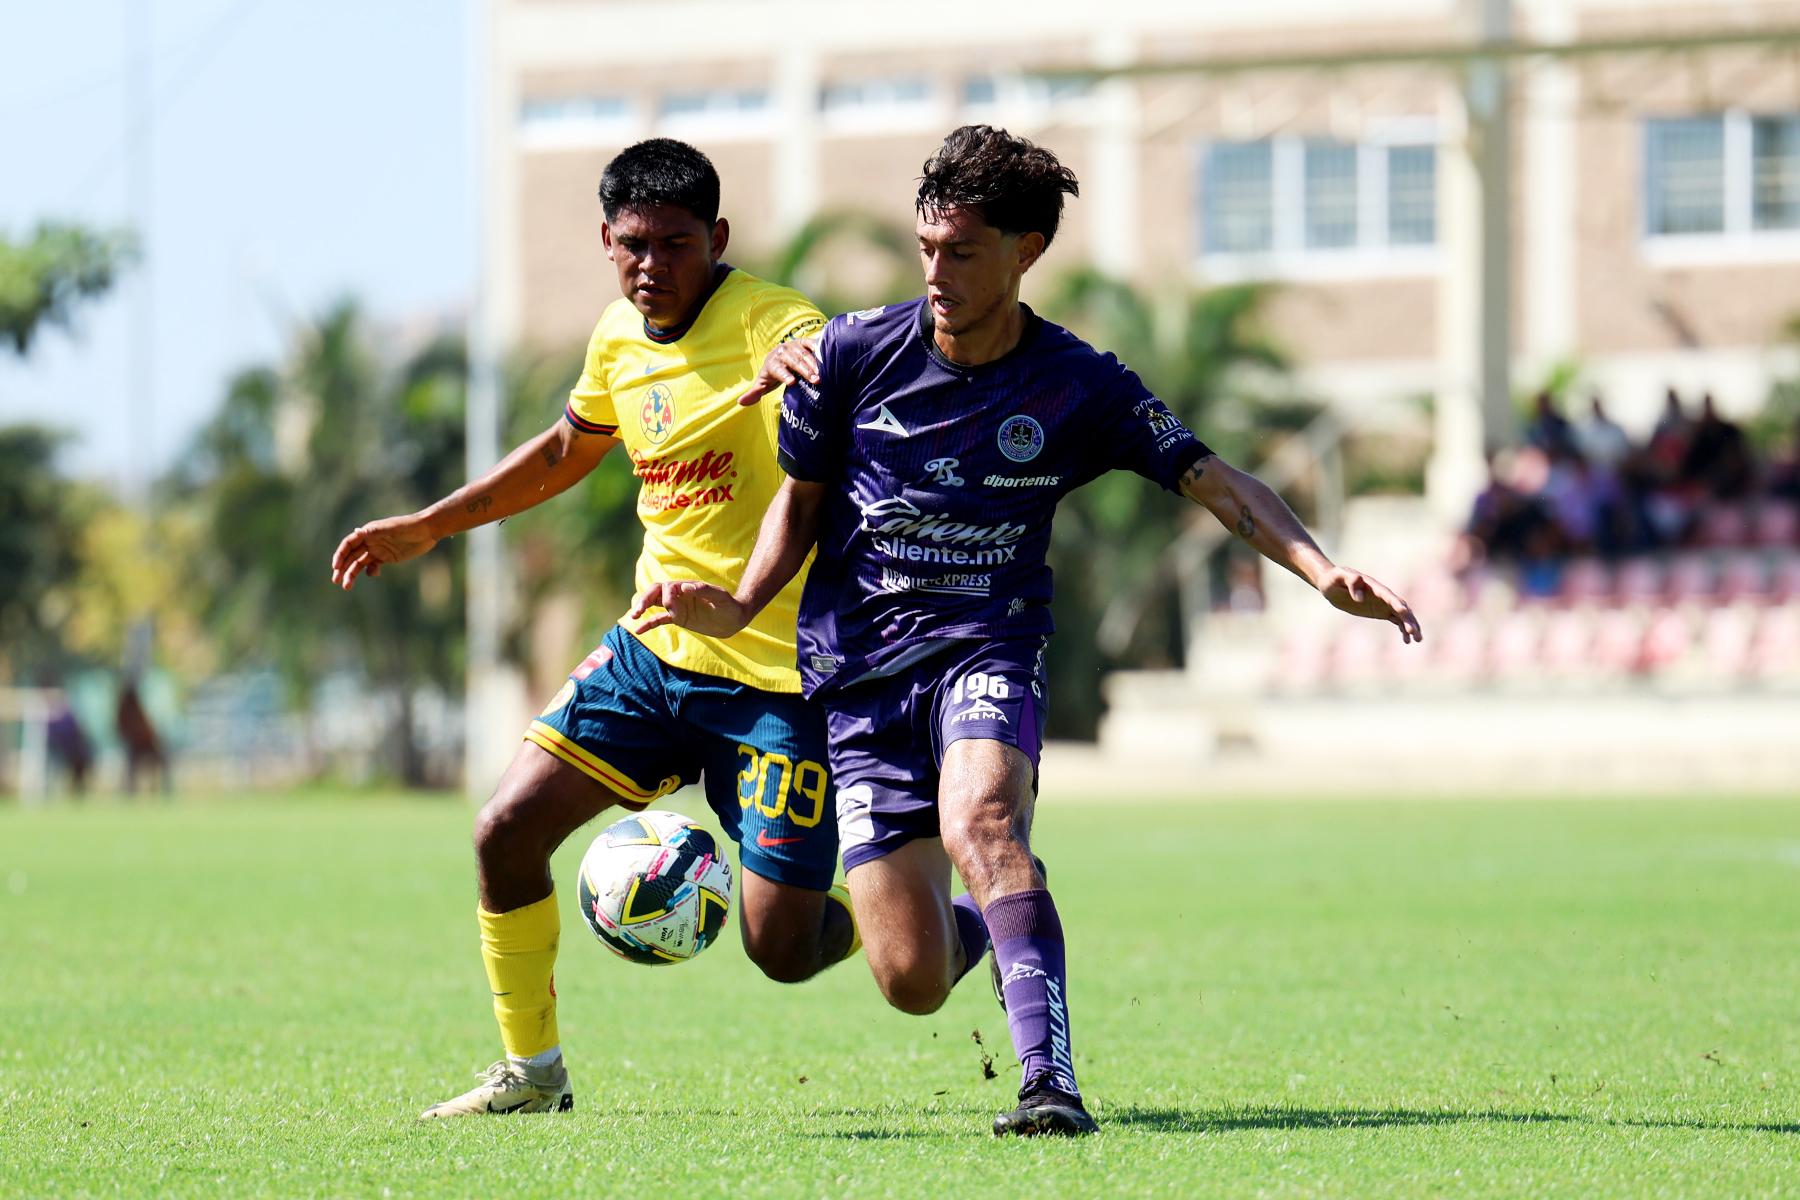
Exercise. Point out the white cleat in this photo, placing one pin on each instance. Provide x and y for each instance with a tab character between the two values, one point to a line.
508	1088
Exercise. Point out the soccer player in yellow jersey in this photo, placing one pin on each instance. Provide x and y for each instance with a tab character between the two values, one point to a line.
641	716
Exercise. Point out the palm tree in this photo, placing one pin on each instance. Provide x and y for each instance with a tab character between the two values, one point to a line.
301	453
44	277
38	539
806	261
1115	550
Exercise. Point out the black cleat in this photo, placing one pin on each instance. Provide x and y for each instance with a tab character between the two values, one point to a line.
994	959
1045	1111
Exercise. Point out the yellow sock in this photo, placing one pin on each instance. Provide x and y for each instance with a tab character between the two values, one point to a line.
840	894
519	950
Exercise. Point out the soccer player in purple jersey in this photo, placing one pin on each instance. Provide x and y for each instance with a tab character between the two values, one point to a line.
927	445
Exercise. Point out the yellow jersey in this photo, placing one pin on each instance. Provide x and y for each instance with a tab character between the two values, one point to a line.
706	464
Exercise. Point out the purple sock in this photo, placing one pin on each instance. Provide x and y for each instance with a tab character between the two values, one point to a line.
971	931
1028	944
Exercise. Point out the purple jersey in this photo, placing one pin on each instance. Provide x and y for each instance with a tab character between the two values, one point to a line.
944	479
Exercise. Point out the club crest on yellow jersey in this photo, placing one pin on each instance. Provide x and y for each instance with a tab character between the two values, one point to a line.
658	414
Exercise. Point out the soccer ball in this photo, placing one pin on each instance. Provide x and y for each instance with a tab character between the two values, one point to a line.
655	889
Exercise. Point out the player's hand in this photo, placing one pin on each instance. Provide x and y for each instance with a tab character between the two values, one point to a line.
787	362
370	547
1365	596
701	607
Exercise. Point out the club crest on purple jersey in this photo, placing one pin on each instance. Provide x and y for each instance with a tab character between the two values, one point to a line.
1021	438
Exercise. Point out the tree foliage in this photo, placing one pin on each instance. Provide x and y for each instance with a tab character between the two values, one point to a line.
297	456
880	256
38	535
1198	352
45	277
577	550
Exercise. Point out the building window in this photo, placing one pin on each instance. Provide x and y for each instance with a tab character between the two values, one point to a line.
1330	173
1723	185
1014	91
1308	205
1686	175
875	94
716	111
1775	163
715	101
573	121
1411	196
905	102
1238	193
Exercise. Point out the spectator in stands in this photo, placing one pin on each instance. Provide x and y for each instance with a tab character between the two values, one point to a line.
1784	472
143	745
1661	495
1673	423
1600	439
1243	585
1577	491
1717	461
1587	505
69	746
1507	518
1549	430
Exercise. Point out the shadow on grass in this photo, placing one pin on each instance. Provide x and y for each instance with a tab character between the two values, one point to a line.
1171	1120
871	1135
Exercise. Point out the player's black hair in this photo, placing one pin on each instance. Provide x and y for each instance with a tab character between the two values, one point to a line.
1016	185
660	171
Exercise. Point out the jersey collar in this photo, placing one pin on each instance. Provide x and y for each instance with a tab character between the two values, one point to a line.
664	337
927	328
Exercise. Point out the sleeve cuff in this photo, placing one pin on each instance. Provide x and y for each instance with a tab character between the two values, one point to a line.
589	426
794	469
1184	460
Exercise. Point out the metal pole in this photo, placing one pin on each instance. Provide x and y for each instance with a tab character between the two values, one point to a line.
1489	93
1474	398
493	693
140	389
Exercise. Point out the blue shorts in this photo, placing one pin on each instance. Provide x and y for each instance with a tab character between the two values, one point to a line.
644	728
888	735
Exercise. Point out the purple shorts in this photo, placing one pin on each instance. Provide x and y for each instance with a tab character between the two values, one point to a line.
888	735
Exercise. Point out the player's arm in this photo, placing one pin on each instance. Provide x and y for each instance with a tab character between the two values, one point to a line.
786	363
547	465
1251	509
790	529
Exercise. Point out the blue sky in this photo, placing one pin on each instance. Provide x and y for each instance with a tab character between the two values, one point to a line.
301	150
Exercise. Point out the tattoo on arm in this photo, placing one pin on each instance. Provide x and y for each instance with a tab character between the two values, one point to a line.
1194	472
479	504
1246	526
552	454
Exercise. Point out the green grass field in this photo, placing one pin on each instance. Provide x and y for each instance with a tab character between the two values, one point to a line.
1354	999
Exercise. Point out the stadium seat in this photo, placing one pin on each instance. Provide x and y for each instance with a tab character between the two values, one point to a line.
1512	652
1640	584
1585	584
1775	646
1300	663
1567	649
1666	640
1689	580
1618	638
1726	642
1356	659
1743	579
1438	592
1459	652
1784	580
1722	526
1403	663
1778	525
